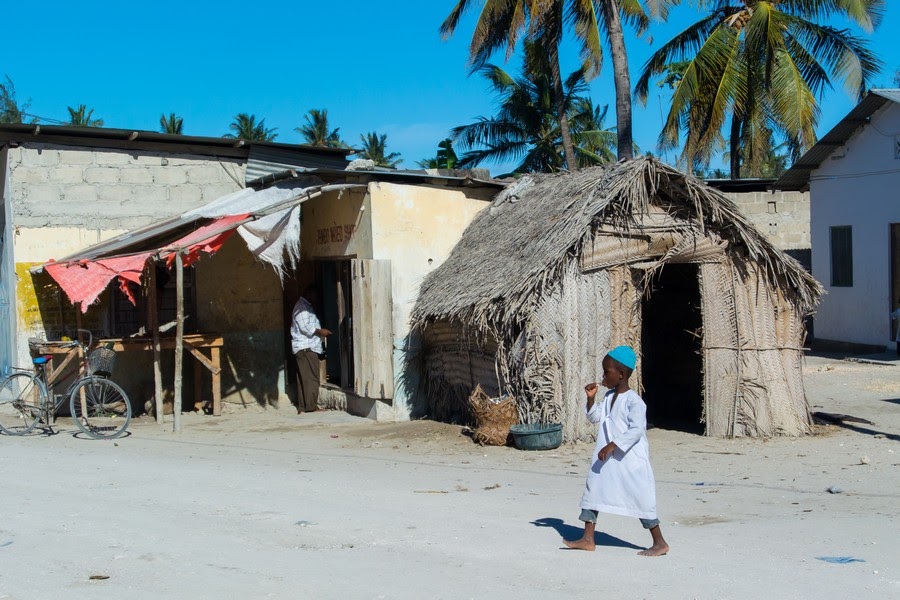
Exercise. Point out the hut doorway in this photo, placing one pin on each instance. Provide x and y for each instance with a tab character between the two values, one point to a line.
671	352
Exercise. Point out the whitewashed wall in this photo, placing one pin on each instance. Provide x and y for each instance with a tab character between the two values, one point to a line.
859	186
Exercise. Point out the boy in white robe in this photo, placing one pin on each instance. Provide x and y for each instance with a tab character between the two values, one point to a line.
621	480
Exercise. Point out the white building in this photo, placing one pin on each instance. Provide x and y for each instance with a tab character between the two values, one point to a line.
853	176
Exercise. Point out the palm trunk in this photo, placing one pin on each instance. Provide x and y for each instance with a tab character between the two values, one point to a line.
559	99
734	147
621	78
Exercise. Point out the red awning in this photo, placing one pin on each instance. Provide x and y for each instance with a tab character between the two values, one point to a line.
84	280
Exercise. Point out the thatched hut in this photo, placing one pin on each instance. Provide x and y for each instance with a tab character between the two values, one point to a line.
563	267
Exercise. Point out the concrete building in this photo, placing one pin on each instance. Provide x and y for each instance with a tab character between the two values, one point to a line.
65	188
781	215
853	178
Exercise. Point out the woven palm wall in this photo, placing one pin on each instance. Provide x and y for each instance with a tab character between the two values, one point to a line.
455	362
752	356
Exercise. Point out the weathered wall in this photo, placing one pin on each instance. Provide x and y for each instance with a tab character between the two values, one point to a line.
783	217
241	298
858	185
337	224
110	189
416	227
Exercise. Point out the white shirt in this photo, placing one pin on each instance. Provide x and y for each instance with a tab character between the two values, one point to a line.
623	484
304	323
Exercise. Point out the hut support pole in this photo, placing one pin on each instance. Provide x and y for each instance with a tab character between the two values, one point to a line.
179	338
153	319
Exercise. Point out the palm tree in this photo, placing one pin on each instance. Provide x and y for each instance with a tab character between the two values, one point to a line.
245	127
763	64
82	117
445	159
170	124
526	129
374	147
502	23
317	131
10	109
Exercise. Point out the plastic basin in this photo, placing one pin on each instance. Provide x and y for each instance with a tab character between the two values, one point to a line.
545	436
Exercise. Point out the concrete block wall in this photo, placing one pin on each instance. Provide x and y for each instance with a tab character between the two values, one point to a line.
783	217
100	189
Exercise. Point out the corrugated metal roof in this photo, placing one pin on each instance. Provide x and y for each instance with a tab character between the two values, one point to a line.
268	159
797	177
135	139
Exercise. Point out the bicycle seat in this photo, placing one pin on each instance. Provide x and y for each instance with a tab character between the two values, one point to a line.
40	360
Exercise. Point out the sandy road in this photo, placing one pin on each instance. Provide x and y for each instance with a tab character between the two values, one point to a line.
272	505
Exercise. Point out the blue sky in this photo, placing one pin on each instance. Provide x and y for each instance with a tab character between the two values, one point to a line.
375	66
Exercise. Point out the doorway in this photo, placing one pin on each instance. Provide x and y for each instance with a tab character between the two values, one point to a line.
671	349
335	291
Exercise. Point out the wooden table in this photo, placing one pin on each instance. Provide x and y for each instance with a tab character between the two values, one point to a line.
193	343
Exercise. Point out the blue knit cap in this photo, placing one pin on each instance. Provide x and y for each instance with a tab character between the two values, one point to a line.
625	355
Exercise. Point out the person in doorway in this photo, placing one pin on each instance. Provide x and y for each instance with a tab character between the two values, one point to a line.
306	344
621	479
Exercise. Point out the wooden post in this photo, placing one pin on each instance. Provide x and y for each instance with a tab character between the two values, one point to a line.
179	338
82	357
153	321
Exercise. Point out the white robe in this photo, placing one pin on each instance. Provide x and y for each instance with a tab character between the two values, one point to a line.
623	484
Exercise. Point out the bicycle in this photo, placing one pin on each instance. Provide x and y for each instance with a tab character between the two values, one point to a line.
98	406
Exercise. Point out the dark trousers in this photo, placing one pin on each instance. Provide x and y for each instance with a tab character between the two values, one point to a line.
308	374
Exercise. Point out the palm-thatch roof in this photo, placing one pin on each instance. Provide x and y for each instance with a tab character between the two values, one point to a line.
515	250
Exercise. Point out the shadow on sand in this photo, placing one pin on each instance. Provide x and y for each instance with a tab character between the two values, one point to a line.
571	532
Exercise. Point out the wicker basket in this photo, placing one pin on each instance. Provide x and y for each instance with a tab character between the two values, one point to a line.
493	417
102	361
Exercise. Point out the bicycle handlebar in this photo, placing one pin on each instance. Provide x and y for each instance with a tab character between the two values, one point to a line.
90	337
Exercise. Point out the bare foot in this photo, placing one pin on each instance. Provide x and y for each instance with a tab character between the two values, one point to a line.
580	544
655	550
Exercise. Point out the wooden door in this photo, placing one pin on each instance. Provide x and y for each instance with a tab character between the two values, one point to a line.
373	340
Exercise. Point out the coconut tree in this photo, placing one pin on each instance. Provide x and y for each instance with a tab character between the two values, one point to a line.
317	132
171	124
502	23
245	127
526	129
758	68
374	147
82	116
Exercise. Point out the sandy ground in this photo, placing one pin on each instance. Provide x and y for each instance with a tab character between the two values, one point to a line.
275	505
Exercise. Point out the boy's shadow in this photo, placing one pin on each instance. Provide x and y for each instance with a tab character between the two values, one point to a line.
570	532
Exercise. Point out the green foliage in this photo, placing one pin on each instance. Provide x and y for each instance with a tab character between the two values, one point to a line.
82	116
525	128
11	111
245	127
375	148
757	68
445	159
171	124
317	131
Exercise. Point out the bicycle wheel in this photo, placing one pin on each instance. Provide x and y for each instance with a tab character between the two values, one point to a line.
100	408
21	398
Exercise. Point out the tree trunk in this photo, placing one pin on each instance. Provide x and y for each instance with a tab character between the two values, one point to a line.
559	99
734	147
621	78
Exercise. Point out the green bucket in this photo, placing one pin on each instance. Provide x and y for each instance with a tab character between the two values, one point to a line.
543	436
